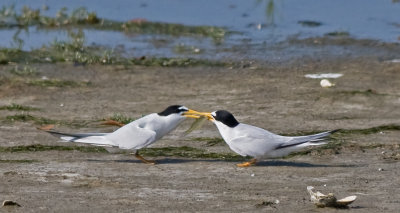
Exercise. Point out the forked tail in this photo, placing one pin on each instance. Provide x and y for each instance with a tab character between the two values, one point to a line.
308	140
98	139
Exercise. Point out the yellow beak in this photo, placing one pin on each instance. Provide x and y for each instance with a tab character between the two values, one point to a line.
194	114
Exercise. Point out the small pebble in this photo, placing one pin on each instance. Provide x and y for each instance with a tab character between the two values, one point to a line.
252	175
380	169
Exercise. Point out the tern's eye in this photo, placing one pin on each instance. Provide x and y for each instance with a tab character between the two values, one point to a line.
181	111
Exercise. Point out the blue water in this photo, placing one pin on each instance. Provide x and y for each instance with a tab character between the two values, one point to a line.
362	19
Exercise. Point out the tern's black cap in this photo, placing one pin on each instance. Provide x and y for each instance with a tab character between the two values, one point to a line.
226	118
173	109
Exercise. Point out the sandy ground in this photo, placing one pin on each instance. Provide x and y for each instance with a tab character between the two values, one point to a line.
276	97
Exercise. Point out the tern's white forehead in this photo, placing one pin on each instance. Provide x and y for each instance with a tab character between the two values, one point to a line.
214	113
183	108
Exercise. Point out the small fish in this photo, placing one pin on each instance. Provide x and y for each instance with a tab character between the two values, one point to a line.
197	124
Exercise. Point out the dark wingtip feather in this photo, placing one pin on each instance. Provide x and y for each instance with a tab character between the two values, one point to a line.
335	130
318	138
59	133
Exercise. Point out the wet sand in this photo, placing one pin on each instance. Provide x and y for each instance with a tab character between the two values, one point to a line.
273	96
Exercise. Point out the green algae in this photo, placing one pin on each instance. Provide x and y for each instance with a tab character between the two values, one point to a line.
37	120
367	92
42	148
338	143
18	161
371	130
308	23
82	18
56	83
338	33
17	107
174	62
183	151
210	141
24	71
189	152
28	117
344	132
67	51
120	118
74	50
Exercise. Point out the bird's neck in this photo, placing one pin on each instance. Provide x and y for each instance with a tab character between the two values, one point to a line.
226	132
169	123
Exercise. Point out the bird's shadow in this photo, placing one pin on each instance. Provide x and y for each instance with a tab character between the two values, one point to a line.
158	161
265	163
271	163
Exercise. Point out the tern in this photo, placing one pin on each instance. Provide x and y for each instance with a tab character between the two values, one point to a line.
137	134
247	140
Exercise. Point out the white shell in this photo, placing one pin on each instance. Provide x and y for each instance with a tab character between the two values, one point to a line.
322	200
326	83
346	201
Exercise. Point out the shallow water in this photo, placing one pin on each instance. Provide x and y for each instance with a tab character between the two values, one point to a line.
259	25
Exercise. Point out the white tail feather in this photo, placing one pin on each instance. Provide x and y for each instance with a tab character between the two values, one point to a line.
98	139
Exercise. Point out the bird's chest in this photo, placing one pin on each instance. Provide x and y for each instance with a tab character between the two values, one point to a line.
229	134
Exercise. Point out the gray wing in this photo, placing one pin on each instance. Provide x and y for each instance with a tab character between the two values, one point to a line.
256	141
248	146
131	136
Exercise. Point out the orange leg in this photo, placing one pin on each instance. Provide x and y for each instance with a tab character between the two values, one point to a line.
252	162
152	162
112	123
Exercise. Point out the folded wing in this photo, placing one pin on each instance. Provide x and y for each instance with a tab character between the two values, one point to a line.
132	136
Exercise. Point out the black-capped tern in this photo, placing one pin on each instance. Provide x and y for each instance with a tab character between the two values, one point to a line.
247	140
137	134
